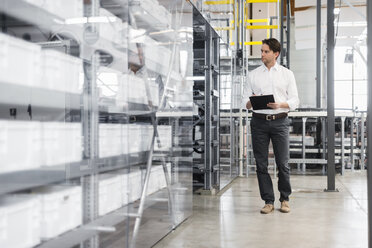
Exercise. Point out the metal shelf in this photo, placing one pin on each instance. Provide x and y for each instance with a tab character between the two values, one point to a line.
19	95
104	223
22	180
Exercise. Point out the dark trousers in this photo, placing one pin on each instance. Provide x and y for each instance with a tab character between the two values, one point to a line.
278	132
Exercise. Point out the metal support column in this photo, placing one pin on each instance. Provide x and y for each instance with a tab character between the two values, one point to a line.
362	148
288	33
331	172
324	142
342	145
369	121
247	124
281	29
303	143
208	111
318	52
352	144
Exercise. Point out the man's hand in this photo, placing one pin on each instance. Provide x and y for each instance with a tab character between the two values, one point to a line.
276	105
248	105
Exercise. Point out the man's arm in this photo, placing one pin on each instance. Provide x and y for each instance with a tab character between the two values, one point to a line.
247	92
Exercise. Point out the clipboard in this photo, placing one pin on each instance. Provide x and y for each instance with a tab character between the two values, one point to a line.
260	102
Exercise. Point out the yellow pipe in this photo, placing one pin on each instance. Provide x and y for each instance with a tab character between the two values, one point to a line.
250	43
256	20
263	27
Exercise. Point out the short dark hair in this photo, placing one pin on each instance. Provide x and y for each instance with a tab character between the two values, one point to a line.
273	44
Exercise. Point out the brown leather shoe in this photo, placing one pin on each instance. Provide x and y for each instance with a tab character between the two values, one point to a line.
268	208
285	207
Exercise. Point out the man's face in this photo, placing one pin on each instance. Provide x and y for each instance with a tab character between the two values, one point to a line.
267	55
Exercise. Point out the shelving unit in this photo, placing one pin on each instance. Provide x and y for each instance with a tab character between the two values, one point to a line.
114	41
207	99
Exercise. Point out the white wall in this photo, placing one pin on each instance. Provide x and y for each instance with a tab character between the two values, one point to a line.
303	65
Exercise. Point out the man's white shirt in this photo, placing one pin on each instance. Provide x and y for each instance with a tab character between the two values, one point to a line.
278	81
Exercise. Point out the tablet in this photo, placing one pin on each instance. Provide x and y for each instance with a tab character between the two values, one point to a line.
260	102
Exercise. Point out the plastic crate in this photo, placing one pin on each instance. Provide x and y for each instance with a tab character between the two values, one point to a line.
135	182
20	60
20	145
110	194
62	8
61	143
19	222
61	209
135	137
61	72
110	140
164	140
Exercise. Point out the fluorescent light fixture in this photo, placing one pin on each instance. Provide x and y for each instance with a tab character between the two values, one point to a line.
336	11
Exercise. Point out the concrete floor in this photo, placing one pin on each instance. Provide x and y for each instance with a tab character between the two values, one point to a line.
317	219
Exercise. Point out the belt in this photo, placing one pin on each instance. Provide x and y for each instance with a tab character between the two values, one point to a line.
270	117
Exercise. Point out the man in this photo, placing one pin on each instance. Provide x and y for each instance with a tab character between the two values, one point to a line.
272	123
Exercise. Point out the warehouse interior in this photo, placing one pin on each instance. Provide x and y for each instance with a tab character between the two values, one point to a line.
124	124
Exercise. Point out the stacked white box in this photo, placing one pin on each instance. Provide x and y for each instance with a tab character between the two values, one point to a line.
164	137
124	183
153	8
125	138
19	222
154	93
112	28
135	184
61	143
61	209
157	54
20	145
146	136
135	134
136	89
110	194
110	140
60	71
19	61
61	8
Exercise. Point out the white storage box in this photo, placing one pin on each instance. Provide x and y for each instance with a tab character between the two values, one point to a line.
20	145
112	28
110	194
125	139
110	140
135	138
146	136
61	8
165	138
154	92
62	143
19	61
61	72
124	182
159	13
19	222
61	209
135	186
135	86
